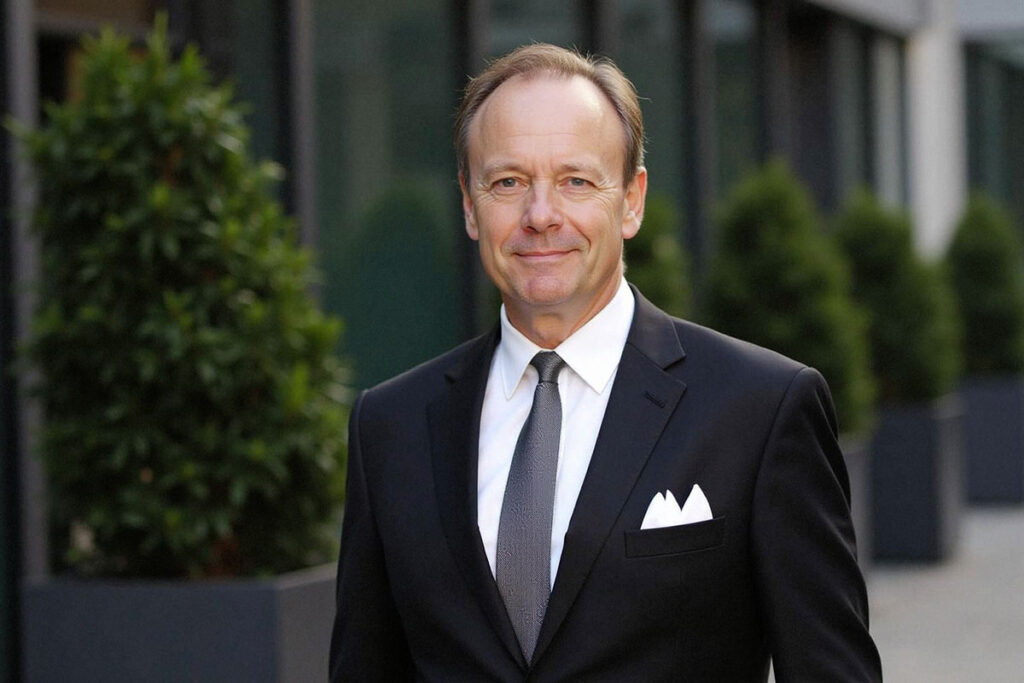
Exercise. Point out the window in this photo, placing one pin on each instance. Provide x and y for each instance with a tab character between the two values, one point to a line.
387	199
650	54
732	27
514	23
888	124
995	117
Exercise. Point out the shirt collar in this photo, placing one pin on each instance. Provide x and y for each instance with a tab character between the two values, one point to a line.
593	351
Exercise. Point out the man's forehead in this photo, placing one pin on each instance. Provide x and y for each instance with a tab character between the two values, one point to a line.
529	94
543	104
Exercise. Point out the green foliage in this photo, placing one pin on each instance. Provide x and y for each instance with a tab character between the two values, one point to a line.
656	262
914	330
778	281
985	266
194	422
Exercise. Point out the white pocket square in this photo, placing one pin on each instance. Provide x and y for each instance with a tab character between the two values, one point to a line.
665	511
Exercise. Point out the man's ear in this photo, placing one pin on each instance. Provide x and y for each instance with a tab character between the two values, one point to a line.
467	210
636	195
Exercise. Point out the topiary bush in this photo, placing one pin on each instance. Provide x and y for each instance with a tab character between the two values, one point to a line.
194	415
985	265
913	328
778	281
656	261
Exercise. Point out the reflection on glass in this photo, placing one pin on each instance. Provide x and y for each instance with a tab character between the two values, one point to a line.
514	23
888	112
995	80
850	86
650	53
256	64
650	47
731	25
387	202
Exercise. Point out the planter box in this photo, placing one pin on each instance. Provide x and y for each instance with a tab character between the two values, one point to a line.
917	481
857	454
275	630
994	438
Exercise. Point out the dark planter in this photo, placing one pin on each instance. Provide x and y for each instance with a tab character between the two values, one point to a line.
917	481
857	454
994	438
275	630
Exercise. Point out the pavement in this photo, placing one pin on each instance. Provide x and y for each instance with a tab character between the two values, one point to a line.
961	621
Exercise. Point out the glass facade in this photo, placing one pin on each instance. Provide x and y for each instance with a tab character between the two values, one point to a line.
995	116
513	23
731	26
850	110
258	45
650	52
888	120
386	87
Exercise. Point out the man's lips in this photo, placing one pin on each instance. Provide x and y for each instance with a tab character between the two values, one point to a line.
543	255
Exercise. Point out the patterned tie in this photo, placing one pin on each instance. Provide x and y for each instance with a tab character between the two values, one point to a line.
523	570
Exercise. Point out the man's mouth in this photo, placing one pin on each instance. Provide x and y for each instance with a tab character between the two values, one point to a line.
541	255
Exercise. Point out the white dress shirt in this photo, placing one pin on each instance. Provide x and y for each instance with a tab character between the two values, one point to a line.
592	356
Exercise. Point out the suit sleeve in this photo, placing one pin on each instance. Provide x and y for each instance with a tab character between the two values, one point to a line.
811	591
368	643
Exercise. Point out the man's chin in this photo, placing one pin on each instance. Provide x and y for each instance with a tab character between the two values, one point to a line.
544	293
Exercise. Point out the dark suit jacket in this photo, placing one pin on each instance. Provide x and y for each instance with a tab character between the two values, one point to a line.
773	574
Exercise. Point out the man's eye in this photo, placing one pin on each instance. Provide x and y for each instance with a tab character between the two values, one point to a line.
577	182
507	183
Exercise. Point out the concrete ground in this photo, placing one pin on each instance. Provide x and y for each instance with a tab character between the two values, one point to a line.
961	621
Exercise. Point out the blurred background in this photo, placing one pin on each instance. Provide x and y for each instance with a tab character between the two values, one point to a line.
909	106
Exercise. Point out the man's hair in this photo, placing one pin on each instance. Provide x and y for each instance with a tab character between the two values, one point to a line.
550	60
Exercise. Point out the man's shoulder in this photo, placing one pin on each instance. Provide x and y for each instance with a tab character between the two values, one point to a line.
732	372
713	345
704	347
425	381
729	363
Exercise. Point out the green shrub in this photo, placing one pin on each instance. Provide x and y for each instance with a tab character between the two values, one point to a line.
655	259
985	266
778	281
193	415
913	328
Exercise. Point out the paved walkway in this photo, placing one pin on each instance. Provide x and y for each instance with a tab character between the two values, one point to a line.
961	621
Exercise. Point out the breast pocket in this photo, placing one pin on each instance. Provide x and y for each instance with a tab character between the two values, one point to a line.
673	540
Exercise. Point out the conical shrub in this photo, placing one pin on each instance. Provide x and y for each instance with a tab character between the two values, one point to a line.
913	328
777	280
194	421
987	273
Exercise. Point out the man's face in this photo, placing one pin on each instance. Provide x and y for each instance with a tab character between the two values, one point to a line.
545	196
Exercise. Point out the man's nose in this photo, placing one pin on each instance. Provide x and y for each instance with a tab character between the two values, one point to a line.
541	210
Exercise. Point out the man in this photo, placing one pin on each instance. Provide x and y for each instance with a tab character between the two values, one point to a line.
512	514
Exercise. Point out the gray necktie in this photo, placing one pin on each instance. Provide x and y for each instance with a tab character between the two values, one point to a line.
523	562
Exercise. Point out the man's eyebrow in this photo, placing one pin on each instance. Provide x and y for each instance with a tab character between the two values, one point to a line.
581	167
497	167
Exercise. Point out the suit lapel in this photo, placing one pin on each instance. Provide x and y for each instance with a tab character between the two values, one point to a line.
643	397
455	435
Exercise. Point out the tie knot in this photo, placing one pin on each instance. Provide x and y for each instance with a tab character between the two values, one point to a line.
548	364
